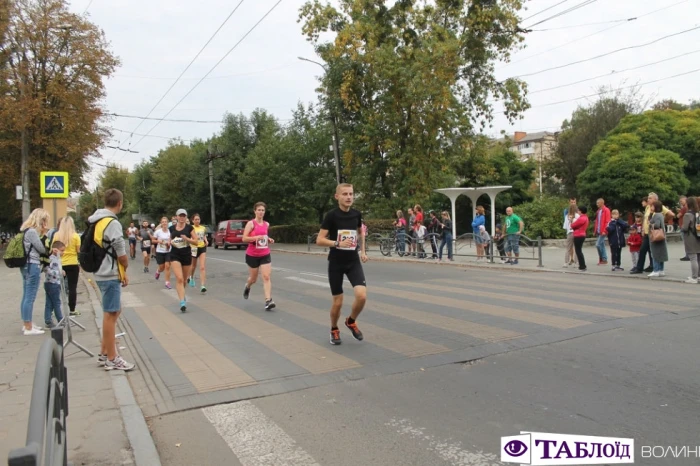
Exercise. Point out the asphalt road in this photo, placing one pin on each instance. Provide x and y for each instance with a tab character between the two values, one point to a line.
452	360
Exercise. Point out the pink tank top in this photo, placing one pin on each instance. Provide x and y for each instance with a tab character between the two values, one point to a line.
259	248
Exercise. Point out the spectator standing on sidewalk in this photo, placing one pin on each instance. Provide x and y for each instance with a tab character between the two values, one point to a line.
635	239
446	226
683	203
69	259
602	219
499	242
580	226
639	268
400	229
479	221
52	285
659	251
111	276
569	216
691	239
616	237
411	232
33	228
433	231
514	228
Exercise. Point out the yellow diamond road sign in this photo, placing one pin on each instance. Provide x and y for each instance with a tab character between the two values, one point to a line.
54	185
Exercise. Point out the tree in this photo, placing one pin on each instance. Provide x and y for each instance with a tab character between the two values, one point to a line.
622	169
412	77
678	132
670	104
581	133
294	167
52	67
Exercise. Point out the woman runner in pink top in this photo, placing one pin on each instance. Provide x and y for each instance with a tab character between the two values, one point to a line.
257	256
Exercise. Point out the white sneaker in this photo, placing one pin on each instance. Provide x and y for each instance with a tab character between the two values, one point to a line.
692	281
662	274
33	331
118	364
565	266
653	274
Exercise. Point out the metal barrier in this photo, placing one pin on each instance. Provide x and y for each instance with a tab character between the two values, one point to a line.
48	412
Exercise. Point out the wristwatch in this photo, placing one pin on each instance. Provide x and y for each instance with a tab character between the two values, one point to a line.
336	243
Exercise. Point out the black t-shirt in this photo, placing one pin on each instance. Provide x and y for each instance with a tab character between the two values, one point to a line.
341	225
179	245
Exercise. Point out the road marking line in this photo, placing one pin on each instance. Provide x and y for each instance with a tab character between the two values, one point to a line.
572	305
302	352
481	308
452	453
400	343
564	294
202	364
255	439
431	319
310	282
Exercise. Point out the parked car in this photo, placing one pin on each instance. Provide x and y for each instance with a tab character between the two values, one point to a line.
230	233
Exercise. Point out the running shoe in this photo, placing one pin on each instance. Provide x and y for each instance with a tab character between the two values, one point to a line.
183	306
118	364
203	290
356	334
191	282
168	285
335	337
269	305
246	293
157	274
101	359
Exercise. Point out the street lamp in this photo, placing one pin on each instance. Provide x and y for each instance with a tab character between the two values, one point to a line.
336	149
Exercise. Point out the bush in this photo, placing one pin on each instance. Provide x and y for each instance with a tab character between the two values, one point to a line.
543	217
299	234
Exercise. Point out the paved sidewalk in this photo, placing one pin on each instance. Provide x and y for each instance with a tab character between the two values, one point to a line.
96	434
552	260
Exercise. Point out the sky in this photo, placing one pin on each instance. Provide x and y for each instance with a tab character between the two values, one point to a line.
157	39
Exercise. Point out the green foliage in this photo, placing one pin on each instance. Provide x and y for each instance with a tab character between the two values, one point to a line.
581	133
408	81
622	169
676	131
543	217
292	234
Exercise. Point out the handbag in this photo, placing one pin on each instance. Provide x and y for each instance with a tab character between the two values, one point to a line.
657	234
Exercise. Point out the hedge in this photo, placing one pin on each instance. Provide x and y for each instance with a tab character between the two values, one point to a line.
299	233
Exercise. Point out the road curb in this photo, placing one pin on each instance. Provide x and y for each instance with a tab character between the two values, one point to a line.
142	445
501	267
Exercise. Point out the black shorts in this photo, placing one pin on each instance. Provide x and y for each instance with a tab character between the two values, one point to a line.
148	249
162	257
184	257
201	251
337	271
132	241
255	262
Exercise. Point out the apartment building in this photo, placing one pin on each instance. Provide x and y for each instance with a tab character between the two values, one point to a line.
536	146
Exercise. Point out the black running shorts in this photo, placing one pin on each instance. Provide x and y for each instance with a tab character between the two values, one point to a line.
336	272
162	257
181	255
255	262
201	251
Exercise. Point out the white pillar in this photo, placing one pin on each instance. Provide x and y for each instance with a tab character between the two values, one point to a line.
453	199
492	196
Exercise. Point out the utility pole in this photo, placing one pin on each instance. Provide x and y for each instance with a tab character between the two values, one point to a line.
336	139
210	161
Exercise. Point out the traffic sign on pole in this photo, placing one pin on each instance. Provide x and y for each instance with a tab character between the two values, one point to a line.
54	185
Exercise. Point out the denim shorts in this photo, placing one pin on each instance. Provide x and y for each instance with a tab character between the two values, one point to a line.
111	295
513	243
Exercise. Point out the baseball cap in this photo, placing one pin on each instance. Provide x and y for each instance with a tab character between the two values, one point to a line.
181	212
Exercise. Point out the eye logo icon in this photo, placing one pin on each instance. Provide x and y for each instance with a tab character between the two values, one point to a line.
515	448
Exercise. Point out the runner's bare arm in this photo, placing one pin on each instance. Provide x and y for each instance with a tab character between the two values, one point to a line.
246	233
322	239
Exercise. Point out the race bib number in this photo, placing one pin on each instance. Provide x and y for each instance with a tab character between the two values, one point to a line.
178	243
194	252
261	243
347	234
146	243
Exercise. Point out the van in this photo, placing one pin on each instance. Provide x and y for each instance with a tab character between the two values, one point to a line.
230	233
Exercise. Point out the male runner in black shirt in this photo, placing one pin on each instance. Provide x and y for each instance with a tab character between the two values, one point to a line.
341	231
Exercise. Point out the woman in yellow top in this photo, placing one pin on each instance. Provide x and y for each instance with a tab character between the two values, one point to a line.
199	253
69	260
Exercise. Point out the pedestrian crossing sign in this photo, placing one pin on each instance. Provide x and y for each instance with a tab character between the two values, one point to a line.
54	185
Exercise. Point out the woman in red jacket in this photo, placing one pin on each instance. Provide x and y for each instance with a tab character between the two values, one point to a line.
580	226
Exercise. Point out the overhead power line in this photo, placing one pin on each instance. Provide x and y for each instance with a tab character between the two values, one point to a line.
612	73
161	78
607	53
212	68
546	9
192	61
625	20
590	35
562	13
162	119
88	6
